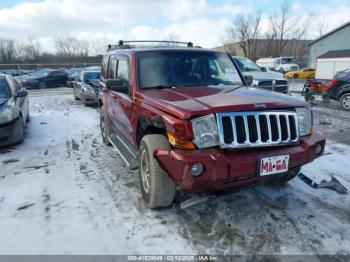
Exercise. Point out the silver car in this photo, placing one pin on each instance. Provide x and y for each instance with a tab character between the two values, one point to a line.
14	110
86	87
268	80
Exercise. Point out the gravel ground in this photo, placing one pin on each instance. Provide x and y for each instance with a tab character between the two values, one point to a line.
63	192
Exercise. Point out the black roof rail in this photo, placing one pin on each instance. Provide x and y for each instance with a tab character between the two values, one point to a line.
158	43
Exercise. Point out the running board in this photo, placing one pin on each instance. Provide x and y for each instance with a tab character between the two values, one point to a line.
129	156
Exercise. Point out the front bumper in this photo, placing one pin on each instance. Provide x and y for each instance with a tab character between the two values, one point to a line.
224	169
89	98
9	133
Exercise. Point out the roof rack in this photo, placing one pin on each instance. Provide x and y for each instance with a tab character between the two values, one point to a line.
156	43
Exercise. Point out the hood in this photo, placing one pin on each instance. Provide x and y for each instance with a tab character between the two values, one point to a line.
93	82
186	102
3	101
260	75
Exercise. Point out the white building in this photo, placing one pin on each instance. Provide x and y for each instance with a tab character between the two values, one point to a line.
337	39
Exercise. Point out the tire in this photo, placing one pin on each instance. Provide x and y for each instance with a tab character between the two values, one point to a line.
295	76
157	188
284	178
106	130
28	118
20	131
42	85
345	101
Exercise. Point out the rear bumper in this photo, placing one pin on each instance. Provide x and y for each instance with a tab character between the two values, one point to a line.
9	134
224	169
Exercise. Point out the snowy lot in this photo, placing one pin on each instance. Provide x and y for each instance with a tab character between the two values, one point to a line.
63	192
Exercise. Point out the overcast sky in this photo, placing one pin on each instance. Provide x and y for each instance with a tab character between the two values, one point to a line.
203	22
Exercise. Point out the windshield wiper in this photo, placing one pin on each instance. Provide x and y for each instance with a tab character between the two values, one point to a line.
157	87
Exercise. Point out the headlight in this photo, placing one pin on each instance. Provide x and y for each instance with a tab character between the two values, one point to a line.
304	121
205	131
6	116
255	83
88	89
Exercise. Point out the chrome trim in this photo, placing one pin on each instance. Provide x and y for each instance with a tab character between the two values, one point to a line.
256	114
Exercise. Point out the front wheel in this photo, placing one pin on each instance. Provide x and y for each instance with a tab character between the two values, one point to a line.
157	188
345	101
42	85
295	76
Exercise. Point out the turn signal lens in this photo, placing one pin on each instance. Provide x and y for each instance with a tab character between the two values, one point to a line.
178	143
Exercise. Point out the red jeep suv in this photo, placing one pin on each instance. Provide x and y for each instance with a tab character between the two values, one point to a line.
186	118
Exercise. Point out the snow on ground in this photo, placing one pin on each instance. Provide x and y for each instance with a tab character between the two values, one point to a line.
63	192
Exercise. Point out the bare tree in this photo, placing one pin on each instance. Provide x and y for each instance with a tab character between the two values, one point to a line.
29	49
99	46
281	25
321	26
7	51
70	47
245	30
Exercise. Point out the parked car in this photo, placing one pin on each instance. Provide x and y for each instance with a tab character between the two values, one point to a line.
14	110
305	73
72	75
187	120
272	81
279	64
86	87
45	78
340	90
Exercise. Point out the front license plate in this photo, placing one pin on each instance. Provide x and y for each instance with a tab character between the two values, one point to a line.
274	165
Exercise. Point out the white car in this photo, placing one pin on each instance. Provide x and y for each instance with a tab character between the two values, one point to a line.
279	64
262	78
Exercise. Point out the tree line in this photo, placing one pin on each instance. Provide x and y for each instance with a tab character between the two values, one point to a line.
282	35
67	49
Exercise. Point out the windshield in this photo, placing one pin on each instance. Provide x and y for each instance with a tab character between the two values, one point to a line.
246	65
41	72
287	60
4	90
91	75
185	69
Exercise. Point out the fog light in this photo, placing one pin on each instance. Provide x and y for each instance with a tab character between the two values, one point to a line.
318	149
197	169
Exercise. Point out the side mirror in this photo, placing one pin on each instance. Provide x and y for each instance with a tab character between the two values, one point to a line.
117	85
22	93
248	79
263	69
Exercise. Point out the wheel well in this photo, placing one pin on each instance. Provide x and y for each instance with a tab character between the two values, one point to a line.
146	127
342	92
100	103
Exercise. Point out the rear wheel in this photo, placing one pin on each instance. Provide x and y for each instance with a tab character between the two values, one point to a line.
345	101
295	76
284	178
157	188
105	128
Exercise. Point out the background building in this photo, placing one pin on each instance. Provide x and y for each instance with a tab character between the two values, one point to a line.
337	39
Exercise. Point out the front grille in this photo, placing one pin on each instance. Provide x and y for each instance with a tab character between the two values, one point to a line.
259	128
265	84
281	83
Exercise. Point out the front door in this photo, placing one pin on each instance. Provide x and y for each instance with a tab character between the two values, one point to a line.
122	102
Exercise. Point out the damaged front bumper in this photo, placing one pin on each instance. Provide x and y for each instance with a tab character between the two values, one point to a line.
224	169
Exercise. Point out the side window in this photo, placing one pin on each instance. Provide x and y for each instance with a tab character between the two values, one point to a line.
12	84
123	72
112	66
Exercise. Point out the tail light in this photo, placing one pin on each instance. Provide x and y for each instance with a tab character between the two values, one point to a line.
334	82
